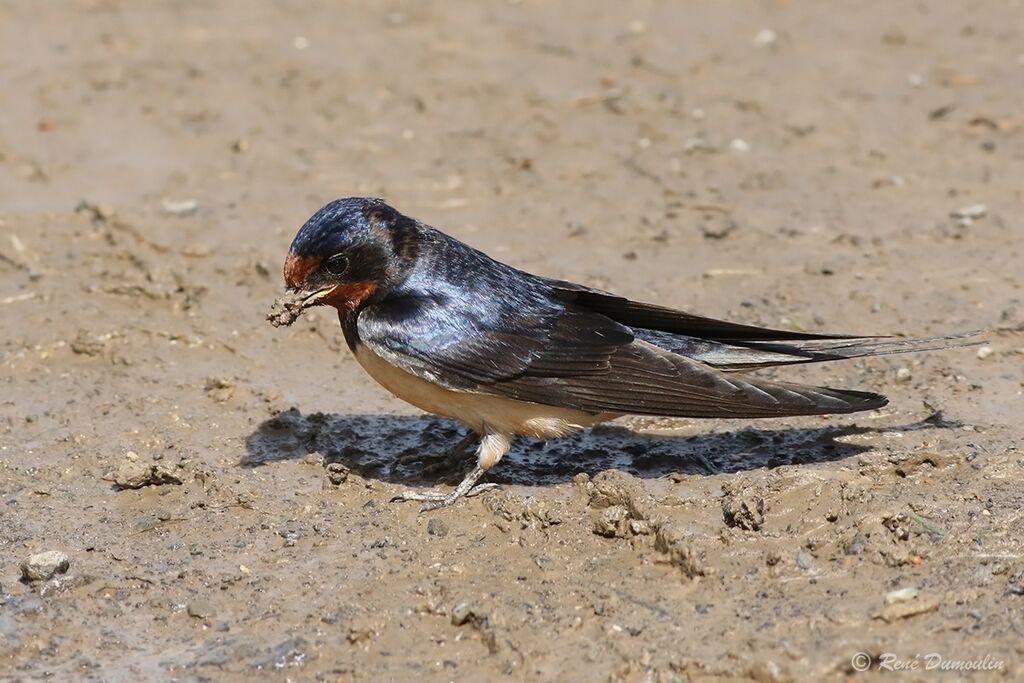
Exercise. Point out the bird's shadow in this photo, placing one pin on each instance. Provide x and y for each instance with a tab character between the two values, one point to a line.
374	446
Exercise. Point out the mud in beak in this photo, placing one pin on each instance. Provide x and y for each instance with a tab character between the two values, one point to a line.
287	309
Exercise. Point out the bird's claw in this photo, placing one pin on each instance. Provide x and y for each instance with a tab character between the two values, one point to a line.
434	500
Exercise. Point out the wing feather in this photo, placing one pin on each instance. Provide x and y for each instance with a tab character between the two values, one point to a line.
576	358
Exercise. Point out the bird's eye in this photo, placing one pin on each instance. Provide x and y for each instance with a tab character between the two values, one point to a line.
337	264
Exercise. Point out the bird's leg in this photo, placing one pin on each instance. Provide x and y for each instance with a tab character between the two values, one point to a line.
442	461
492	447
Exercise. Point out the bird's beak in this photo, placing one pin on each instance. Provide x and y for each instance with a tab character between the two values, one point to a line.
307	299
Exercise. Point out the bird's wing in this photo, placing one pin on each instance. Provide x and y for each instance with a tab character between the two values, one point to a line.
732	347
663	319
571	357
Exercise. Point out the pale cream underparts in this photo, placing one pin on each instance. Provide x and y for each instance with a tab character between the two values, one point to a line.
495	418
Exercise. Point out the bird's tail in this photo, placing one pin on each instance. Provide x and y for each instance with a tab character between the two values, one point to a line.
751	355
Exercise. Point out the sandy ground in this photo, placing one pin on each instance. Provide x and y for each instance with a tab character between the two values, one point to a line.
782	163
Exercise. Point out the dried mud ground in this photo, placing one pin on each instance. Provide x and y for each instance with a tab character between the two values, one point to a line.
784	163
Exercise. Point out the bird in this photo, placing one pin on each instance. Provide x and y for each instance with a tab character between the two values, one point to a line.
454	332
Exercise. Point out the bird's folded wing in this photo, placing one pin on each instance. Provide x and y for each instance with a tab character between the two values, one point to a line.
580	359
660	318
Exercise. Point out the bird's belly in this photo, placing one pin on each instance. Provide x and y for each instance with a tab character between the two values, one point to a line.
478	411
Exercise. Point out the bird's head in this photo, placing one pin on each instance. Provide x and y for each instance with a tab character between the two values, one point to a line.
345	253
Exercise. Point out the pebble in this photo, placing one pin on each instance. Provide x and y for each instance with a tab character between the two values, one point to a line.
903	375
966	216
766	37
901	595
804	560
437	527
739	145
984	352
43	566
856	545
461	613
290	535
180	207
974	211
337	473
135	475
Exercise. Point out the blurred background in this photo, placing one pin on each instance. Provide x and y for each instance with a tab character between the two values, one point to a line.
840	166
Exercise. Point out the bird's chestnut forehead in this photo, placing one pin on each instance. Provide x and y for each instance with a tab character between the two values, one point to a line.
298	268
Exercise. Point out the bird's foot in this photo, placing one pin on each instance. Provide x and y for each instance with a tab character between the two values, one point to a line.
434	500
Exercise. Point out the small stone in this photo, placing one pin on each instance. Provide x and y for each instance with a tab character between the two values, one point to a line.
200	609
461	613
984	352
972	212
739	145
337	474
903	375
437	527
766	37
291	535
856	545
804	560
43	566
135	475
640	527
180	207
901	595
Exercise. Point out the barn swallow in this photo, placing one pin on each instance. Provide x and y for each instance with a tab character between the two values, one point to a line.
456	333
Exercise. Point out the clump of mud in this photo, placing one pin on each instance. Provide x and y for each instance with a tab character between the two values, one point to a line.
286	309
